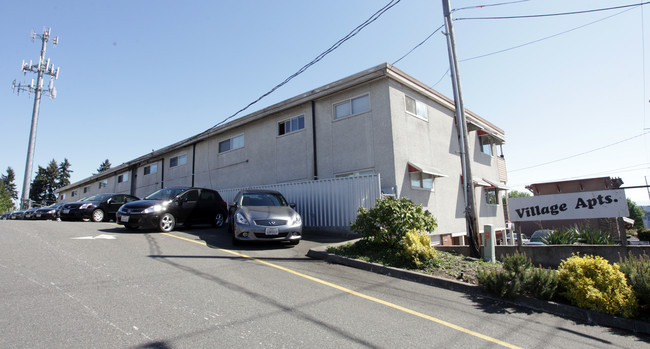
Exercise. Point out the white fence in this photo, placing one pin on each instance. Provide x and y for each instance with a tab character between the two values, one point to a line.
326	203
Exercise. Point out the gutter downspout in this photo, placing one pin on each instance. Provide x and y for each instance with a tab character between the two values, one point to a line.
162	173
313	130
193	162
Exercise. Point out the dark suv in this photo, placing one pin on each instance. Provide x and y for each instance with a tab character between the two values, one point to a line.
166	208
98	208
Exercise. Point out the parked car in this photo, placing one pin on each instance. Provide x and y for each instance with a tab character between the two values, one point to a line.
263	215
538	235
18	214
166	208
29	213
5	216
97	208
48	212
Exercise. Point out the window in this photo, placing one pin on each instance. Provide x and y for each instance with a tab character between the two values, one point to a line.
86	189
421	180
416	108
485	142
352	106
123	177
178	160
491	196
63	196
292	125
153	168
103	184
73	194
232	143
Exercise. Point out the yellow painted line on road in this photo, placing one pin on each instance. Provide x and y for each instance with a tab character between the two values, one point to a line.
355	293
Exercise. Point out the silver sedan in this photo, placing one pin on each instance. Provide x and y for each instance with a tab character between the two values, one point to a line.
263	215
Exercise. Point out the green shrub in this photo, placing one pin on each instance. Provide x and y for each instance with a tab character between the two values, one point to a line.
644	235
519	277
565	236
499	282
390	219
541	283
590	282
417	248
637	272
589	236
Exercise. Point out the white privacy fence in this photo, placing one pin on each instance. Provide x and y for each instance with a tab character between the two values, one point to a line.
331	203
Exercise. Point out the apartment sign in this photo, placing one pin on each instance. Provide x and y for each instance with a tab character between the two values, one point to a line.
582	205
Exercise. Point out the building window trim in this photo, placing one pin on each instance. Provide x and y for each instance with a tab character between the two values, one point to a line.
150	169
416	108
421	178
124	177
103	184
292	125
233	143
178	160
485	143
351	107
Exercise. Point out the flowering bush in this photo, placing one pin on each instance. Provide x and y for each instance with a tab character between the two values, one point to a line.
417	248
590	282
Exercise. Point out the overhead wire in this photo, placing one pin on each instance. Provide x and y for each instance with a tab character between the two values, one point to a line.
554	14
318	58
580	154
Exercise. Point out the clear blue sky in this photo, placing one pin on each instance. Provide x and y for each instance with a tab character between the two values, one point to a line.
141	75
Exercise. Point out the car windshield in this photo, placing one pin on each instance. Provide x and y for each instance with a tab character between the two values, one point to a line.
263	199
165	194
98	197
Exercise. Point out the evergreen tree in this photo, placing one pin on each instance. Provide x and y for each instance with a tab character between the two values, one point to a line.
104	166
64	174
45	184
6	204
8	183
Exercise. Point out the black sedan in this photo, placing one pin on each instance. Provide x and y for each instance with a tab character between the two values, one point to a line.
166	208
98	208
49	212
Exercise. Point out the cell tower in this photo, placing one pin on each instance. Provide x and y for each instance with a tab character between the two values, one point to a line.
42	68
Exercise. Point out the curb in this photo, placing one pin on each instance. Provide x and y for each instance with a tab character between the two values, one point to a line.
563	310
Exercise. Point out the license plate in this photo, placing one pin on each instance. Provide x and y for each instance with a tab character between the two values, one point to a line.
38	215
124	218
271	231
66	211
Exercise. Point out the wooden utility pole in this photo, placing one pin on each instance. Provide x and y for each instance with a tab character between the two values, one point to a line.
461	125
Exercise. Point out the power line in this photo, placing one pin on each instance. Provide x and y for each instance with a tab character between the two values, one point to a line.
545	38
418	45
488	5
583	153
336	45
554	14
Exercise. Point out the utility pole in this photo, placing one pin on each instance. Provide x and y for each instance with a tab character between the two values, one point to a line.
42	68
465	158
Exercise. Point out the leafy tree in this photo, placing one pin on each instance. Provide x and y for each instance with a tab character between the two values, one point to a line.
8	183
636	213
104	166
6	204
516	194
64	173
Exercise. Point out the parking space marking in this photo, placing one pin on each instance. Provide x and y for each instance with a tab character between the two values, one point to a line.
355	293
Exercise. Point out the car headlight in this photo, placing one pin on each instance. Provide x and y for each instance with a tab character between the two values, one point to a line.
153	209
239	218
297	220
85	206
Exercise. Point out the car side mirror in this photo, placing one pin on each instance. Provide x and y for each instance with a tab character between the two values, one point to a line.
292	205
232	205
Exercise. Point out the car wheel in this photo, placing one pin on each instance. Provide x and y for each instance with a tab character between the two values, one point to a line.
219	220
97	215
167	222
